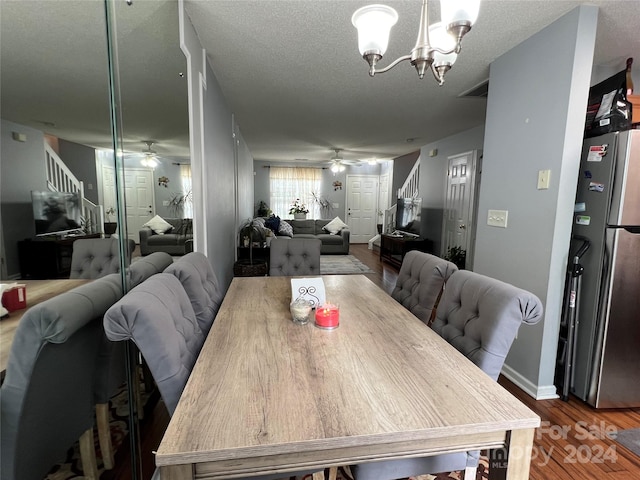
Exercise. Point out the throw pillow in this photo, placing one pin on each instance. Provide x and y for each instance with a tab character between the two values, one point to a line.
335	226
159	225
273	223
285	229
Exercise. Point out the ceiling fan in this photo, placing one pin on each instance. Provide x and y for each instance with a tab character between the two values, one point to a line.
338	162
150	156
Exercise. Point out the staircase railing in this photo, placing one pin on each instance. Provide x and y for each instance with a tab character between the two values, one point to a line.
61	179
411	186
410	189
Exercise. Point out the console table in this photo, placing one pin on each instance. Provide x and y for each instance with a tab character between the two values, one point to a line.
42	258
393	248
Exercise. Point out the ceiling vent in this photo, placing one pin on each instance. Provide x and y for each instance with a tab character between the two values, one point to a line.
480	90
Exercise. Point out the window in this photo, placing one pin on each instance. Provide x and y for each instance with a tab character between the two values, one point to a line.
185	178
287	183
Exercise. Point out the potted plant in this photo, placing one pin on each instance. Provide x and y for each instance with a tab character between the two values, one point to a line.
109	226
323	203
177	201
248	234
457	256
263	209
299	210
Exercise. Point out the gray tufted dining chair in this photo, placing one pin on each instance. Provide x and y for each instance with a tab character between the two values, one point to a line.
96	257
295	257
157	315
480	317
420	282
47	398
201	284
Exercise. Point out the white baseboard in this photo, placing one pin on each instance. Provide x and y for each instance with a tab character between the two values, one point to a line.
539	392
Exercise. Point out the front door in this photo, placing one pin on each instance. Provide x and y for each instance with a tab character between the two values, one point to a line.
362	207
460	200
138	187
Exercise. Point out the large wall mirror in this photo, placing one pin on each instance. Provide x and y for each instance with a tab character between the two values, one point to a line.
57	143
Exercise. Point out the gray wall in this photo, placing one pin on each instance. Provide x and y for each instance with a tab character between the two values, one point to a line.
221	165
81	160
535	121
433	175
21	171
401	168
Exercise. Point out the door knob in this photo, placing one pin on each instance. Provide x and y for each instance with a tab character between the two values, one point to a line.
462	227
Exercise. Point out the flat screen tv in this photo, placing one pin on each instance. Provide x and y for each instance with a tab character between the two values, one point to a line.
56	213
408	216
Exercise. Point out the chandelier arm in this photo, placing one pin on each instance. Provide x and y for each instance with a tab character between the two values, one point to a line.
455	49
436	76
393	64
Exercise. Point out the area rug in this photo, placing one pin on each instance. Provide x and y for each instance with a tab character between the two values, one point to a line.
342	265
629	439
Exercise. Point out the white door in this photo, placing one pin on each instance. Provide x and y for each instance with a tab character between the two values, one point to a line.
460	200
139	199
109	190
362	207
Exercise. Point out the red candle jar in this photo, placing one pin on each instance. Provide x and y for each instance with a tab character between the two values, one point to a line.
328	316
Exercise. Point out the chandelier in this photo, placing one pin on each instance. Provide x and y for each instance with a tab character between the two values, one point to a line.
437	46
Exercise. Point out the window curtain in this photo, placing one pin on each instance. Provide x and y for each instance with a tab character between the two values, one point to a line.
185	180
289	183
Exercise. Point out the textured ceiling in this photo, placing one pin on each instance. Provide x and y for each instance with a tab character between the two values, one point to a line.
290	71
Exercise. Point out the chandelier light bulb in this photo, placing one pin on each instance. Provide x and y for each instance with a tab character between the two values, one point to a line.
374	24
454	12
443	40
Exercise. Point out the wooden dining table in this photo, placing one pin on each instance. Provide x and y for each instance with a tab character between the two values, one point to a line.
267	395
37	291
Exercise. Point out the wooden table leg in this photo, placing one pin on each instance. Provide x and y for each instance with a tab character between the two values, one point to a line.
520	449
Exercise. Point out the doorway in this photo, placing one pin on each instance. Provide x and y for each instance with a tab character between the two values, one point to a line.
362	207
139	196
459	221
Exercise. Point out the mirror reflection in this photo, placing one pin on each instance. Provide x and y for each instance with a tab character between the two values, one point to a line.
58	180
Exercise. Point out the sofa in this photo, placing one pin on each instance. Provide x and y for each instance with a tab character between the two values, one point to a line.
177	240
331	243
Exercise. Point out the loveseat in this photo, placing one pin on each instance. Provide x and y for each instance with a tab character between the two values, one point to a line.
337	243
177	240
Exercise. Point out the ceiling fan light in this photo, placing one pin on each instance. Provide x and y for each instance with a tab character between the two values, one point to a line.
372	161
341	168
443	40
335	168
374	24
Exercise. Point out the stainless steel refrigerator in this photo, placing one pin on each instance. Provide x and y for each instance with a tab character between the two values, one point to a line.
606	369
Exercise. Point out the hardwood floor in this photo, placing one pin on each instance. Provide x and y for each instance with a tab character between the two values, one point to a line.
573	442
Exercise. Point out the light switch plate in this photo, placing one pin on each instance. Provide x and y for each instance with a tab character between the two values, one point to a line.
497	218
544	178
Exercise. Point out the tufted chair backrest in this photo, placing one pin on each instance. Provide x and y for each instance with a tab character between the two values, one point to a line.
144	267
201	284
96	257
420	281
157	315
480	317
295	256
46	400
